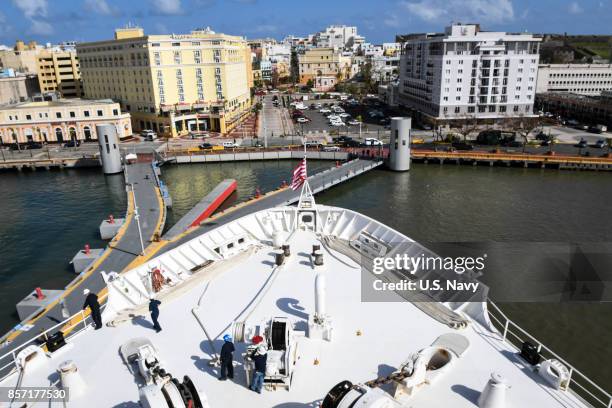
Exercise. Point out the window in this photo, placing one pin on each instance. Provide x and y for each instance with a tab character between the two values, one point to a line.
72	114
28	117
86	113
100	113
115	112
197	57
58	115
177	57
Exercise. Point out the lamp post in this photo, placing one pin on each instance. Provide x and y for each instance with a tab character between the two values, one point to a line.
137	218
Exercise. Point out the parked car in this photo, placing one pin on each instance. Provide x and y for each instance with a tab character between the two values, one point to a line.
312	144
205	146
324	110
371	141
354	122
302	119
33	146
463	146
72	143
229	145
601	144
345	115
148	135
331	148
582	143
350	143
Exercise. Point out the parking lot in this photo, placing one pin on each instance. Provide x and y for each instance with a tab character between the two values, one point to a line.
319	124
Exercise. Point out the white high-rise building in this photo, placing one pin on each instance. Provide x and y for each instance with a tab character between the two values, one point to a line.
466	72
338	36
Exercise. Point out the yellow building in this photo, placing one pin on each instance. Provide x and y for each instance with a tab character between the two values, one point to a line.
60	120
324	67
58	71
171	84
22	57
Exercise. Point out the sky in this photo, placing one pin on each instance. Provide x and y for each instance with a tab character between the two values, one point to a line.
89	20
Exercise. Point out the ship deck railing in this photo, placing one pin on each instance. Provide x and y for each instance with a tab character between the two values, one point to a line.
581	385
73	325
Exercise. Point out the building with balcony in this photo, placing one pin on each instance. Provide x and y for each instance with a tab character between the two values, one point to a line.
583	79
324	67
467	72
171	84
60	120
58	71
338	36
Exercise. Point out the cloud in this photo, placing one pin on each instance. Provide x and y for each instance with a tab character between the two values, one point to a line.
4	25
100	7
391	20
32	8
492	11
574	8
167	7
264	28
40	27
36	11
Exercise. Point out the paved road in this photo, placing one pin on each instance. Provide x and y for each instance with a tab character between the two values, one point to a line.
274	121
115	258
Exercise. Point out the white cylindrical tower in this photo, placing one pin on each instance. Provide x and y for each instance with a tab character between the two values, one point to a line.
399	144
320	295
109	149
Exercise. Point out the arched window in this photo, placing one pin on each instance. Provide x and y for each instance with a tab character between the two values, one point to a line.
87	133
73	133
59	135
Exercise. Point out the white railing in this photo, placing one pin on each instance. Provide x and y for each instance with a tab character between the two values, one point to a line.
578	383
81	324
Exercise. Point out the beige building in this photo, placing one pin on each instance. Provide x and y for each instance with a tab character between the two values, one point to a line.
60	121
18	88
58	71
171	84
21	58
324	67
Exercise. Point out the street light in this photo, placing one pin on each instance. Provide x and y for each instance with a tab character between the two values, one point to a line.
137	218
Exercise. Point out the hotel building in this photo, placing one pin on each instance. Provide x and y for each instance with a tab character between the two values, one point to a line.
171	84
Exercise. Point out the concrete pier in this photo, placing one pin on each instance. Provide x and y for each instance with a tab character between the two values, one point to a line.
109	228
31	303
82	259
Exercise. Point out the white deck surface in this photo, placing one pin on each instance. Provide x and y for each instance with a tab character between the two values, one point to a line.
390	333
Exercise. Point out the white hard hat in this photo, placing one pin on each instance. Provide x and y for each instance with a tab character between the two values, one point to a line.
86	291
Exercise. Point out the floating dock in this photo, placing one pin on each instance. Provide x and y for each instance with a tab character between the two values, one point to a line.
204	208
144	195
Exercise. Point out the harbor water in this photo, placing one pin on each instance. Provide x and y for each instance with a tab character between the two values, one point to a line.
46	217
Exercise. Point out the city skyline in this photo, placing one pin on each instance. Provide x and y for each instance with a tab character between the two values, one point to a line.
91	20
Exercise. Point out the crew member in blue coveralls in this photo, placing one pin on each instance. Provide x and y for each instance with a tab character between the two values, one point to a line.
154	309
227	358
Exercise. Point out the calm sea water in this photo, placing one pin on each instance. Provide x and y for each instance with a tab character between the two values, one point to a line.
45	218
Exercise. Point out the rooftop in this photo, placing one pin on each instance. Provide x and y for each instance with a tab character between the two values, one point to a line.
60	103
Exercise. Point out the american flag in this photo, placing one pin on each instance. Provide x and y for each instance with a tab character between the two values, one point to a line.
299	175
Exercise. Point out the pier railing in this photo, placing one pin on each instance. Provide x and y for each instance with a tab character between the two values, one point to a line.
73	325
579	383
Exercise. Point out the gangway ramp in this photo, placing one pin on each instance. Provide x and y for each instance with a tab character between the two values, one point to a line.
204	209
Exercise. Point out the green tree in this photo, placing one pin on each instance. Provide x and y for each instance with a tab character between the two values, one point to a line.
295	68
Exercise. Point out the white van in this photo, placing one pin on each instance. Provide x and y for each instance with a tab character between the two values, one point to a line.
148	135
229	145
